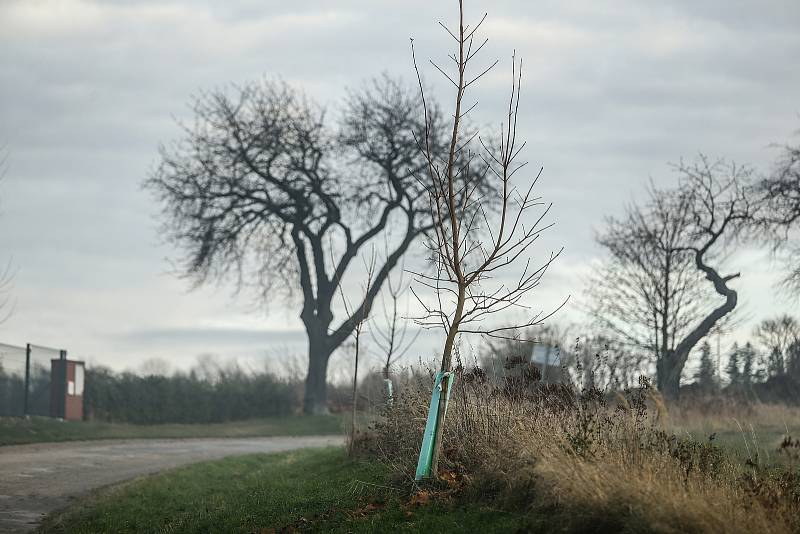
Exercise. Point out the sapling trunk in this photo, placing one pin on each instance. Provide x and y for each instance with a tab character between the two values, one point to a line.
353	428
469	249
447	360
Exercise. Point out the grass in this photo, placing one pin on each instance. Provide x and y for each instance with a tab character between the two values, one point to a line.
310	490
510	464
529	487
14	430
753	432
586	464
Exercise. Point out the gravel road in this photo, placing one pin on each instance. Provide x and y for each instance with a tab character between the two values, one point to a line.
41	478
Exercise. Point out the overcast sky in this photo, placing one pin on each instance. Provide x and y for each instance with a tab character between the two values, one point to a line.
613	92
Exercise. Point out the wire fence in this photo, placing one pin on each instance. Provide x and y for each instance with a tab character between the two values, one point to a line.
25	379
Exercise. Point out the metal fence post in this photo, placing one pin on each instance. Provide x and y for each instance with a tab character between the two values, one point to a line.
27	377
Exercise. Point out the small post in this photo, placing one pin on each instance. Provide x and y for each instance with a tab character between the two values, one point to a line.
63	354
389	392
27	378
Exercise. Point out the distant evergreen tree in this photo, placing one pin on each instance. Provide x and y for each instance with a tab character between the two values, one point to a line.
793	360
705	376
732	370
748	357
775	364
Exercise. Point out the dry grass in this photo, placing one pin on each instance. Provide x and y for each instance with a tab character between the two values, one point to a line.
719	415
583	463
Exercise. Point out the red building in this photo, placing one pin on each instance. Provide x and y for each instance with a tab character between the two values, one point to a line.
66	388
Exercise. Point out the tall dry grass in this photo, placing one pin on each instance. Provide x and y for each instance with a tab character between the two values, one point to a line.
581	461
719	415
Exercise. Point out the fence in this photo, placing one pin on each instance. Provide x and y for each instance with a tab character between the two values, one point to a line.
25	378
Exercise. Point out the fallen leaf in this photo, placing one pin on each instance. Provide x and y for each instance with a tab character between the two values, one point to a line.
419	498
449	477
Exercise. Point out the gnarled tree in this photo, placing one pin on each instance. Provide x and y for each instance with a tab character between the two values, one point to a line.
647	294
263	189
654	291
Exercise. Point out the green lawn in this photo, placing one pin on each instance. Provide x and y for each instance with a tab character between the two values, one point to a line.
757	442
14	430
311	490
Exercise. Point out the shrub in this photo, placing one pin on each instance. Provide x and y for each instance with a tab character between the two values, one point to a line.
186	398
588	460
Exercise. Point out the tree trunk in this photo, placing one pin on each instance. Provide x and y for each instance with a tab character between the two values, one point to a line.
669	377
676	359
315	401
447	360
672	362
354	425
662	372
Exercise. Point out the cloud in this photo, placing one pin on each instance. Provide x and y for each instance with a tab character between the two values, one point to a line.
612	92
242	336
196	26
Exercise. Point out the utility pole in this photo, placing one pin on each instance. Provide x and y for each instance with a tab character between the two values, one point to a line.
27	377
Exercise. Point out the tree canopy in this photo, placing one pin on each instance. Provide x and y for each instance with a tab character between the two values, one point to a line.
265	189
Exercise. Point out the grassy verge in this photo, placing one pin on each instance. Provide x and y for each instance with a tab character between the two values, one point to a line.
311	490
326	491
41	429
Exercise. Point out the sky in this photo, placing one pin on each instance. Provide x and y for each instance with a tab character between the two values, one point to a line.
613	91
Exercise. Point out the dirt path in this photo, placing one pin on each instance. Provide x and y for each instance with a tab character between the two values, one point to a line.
37	479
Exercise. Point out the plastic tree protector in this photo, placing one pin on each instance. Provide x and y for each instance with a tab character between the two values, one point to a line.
426	452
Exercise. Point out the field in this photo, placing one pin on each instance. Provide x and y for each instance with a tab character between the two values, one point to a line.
752	433
15	431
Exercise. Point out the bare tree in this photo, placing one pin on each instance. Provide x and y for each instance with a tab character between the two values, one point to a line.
154	366
778	335
261	185
647	293
369	265
781	194
660	255
474	253
722	204
392	337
